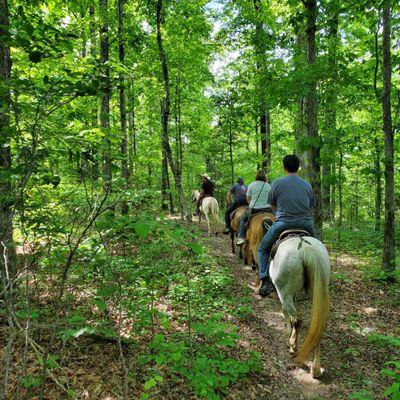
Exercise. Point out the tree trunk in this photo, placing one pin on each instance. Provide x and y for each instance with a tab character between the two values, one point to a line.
95	123
264	116
356	201
300	128
132	128
388	260
169	191
340	188
122	102
231	152
257	142
333	193
7	250
149	174
265	128
165	114
164	183
178	126
314	168
105	98
326	189
330	141
378	185
83	33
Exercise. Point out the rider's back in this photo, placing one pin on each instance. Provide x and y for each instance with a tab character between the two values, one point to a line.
293	197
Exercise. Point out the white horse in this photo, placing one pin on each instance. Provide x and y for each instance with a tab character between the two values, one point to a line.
209	207
299	261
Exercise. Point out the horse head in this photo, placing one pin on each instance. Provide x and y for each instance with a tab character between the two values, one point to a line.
195	195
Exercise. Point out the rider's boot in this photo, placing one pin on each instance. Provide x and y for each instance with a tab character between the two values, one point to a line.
267	287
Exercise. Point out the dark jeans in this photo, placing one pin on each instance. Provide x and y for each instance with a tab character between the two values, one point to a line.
272	235
232	208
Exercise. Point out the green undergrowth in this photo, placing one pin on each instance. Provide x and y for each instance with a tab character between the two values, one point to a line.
391	369
365	245
151	285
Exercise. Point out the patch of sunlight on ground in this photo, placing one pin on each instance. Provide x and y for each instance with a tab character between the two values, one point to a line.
370	311
311	388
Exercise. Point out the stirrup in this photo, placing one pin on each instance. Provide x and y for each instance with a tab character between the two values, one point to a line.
240	241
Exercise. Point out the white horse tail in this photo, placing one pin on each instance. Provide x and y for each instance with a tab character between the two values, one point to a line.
316	263
215	211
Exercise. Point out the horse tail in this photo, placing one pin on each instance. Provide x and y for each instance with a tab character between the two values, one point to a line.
215	210
317	268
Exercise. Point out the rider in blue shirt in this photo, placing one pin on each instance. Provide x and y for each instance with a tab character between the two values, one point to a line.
239	190
292	198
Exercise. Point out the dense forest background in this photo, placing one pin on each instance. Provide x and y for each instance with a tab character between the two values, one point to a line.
111	110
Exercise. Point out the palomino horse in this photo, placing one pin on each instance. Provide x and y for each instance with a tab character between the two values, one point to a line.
299	261
209	207
236	215
255	232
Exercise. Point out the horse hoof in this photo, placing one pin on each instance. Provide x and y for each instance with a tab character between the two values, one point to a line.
315	373
298	364
291	366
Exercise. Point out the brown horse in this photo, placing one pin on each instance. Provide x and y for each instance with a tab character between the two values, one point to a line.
255	232
235	226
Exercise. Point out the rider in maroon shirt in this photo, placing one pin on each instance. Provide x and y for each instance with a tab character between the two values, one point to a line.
207	190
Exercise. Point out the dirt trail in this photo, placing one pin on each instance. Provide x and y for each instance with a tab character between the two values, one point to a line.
349	361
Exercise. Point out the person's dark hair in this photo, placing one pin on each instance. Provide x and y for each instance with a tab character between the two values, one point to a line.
261	176
240	181
291	163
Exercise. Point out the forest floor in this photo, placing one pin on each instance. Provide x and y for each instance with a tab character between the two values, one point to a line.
359	306
350	361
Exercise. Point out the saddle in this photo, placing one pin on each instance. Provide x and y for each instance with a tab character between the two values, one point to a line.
286	235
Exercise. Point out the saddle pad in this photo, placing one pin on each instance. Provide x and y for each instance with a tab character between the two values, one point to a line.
286	235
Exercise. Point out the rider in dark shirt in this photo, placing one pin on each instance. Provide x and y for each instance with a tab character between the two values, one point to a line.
239	190
207	190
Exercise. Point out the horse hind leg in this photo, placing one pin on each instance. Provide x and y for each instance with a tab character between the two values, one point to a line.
232	234
315	371
208	225
293	322
294	337
215	216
